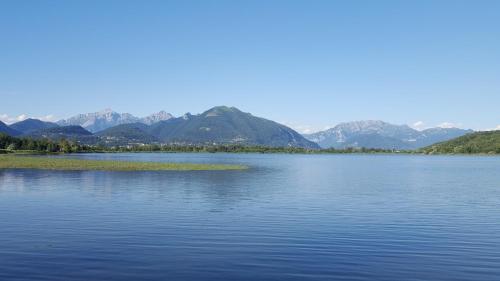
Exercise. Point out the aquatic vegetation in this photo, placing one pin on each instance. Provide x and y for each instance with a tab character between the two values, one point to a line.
54	163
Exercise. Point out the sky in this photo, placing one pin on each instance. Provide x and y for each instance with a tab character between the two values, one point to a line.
308	64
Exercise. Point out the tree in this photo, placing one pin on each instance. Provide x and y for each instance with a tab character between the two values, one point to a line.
64	146
11	146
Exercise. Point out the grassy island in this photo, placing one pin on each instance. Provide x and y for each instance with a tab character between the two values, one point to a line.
46	163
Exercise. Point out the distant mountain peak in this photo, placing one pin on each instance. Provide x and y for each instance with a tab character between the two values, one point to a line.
380	134
187	116
8	130
107	118
366	124
218	110
30	125
224	108
157	117
231	126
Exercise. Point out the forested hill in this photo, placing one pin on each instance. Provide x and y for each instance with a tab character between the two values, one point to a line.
480	142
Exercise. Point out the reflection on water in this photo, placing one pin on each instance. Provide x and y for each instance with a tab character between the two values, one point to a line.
293	217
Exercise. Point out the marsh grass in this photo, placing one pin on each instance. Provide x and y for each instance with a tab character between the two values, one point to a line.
9	161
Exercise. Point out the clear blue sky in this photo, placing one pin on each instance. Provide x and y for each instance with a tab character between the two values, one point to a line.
306	63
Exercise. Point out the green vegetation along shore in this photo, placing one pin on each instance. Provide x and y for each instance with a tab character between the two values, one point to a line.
12	144
475	143
9	161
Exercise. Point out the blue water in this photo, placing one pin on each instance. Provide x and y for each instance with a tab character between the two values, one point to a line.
289	217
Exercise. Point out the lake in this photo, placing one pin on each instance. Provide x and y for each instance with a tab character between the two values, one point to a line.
289	217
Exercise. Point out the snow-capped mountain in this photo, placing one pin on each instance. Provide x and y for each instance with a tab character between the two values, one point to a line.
156	117
379	134
98	121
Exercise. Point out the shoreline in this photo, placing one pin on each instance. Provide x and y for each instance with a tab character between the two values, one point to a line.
318	152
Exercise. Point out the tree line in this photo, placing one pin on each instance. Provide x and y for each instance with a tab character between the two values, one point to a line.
238	148
8	143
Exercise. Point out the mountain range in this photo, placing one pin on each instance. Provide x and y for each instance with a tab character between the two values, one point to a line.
219	125
31	125
75	133
379	134
4	128
98	121
225	125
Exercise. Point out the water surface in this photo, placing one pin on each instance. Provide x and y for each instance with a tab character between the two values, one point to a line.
289	217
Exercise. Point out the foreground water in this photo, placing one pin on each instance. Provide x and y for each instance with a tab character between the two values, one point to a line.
289	217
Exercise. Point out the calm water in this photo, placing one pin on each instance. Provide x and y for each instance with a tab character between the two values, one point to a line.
290	217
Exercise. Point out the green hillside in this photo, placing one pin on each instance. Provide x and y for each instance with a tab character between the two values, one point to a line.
127	133
228	125
31	125
74	133
480	142
8	130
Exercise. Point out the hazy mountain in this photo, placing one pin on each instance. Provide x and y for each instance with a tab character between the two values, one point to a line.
479	142
227	125
31	125
156	117
372	140
379	134
360	134
127	134
98	121
8	130
435	135
108	118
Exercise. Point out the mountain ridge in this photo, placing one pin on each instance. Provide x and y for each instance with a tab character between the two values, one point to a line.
228	125
126	134
72	132
402	137
5	129
104	119
30	125
219	125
